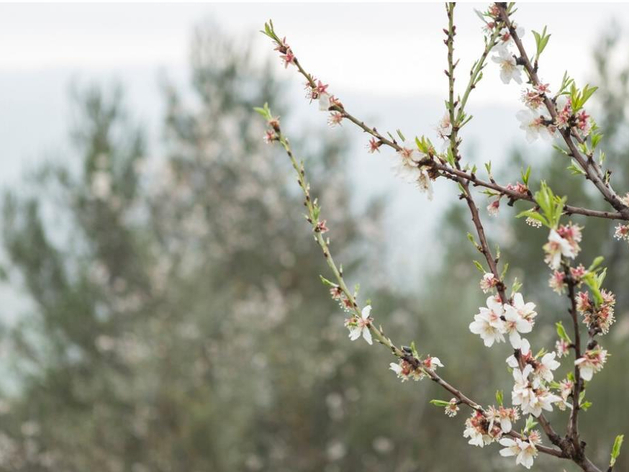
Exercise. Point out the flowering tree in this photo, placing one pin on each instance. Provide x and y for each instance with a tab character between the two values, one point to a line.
507	318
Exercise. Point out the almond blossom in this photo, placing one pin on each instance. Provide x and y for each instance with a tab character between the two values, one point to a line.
534	125
444	128
503	416
494	207
565	390
335	119
452	408
522	390
509	69
488	282
622	232
478	431
505	39
488	323
534	98
525	310
360	325
556	282
405	370
545	366
555	248
407	167
514	324
562	348
591	362
525	452
374	145
540	399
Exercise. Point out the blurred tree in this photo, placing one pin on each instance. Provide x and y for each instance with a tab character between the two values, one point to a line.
175	323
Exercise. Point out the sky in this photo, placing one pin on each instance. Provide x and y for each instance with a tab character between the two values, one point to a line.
385	61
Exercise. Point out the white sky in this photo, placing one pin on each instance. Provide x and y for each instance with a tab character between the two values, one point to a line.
384	60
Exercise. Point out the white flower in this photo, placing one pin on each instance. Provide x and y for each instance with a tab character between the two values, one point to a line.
476	437
494	207
488	323
488	282
476	430
509	69
503	416
525	451
444	128
406	166
515	324
557	247
405	370
324	101
539	400
522	391
408	169
360	326
432	363
452	408
505	39
533	124
525	310
545	367
591	362
525	349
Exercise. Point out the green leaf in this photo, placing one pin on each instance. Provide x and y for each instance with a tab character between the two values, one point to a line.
264	111
479	266
516	286
541	41
499	397
561	332
616	449
596	263
560	149
327	282
440	403
575	169
504	271
596	138
526	175
530	423
414	350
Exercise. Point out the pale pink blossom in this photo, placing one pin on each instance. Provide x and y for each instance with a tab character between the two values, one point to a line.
360	325
509	69
591	362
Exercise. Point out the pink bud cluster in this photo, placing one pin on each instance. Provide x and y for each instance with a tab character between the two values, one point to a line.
566	118
598	316
286	53
339	295
557	279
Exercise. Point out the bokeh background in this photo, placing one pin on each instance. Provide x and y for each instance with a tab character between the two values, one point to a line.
162	309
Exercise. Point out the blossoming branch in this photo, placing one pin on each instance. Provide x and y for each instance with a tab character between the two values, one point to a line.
507	318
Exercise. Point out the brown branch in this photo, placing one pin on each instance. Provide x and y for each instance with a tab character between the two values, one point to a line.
573	422
590	167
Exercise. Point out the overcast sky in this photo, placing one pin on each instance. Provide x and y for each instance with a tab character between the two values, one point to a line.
384	60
